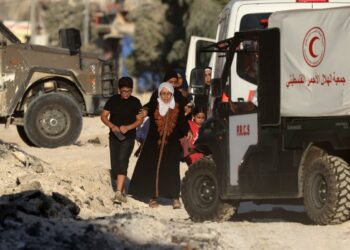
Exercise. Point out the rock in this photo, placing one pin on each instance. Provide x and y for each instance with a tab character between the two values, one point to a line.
100	200
3	150
24	179
33	161
35	185
64	182
34	229
71	206
94	141
90	228
38	169
28	161
29	202
20	156
78	143
39	204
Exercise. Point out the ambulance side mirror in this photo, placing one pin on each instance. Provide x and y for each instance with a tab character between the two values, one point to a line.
197	82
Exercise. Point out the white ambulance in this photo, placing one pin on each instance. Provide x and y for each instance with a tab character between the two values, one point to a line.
294	147
243	15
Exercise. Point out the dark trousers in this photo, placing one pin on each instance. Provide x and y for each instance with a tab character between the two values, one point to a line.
120	152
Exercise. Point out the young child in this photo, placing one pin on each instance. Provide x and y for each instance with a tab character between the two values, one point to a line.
195	124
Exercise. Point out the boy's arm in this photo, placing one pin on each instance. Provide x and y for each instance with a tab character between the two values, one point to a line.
126	128
104	118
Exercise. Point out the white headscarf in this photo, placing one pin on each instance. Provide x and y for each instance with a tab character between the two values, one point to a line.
163	107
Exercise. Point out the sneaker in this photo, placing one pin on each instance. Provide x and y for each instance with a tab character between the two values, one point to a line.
176	204
118	197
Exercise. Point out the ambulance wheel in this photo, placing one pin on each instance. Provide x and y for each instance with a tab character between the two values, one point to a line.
53	120
200	193
327	190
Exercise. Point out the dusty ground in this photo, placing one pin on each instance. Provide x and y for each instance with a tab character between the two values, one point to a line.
80	172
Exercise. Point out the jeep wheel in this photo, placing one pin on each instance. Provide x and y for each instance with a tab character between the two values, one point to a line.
327	190
53	120
22	133
200	193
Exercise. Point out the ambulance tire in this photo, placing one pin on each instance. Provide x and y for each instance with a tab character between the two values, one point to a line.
200	193
53	120
327	190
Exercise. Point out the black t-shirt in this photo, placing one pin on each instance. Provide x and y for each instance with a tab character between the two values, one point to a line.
123	112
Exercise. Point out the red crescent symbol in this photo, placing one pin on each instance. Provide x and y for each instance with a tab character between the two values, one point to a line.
311	44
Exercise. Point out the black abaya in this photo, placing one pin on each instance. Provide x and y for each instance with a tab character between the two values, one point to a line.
143	181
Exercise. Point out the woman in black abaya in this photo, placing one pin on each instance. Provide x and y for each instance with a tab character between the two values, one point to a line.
157	171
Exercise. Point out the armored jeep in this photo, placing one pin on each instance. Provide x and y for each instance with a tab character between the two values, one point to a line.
293	145
45	91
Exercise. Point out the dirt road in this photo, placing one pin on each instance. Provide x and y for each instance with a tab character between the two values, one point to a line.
80	172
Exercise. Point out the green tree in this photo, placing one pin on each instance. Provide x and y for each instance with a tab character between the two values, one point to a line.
151	29
63	14
163	29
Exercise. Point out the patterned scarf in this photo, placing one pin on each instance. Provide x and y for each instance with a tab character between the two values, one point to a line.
161	120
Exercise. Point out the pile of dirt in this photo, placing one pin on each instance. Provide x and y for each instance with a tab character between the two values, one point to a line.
33	220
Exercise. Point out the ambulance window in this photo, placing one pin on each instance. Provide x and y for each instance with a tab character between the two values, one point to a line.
202	58
247	56
247	61
252	21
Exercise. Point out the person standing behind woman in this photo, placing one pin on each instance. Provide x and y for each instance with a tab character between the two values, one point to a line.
172	78
120	114
157	171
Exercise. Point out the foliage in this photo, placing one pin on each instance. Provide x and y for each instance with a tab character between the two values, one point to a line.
163	30
63	14
151	30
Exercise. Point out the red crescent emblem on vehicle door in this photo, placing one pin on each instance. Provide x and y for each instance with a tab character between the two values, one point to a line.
314	46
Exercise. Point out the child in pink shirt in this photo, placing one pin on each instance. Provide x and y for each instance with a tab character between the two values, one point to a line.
195	124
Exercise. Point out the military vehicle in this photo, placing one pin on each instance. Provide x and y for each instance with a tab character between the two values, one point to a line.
45	91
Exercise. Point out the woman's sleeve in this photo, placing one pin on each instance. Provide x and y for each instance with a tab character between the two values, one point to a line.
152	101
182	125
152	104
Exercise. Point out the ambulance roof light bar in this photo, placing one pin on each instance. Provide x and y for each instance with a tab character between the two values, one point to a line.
312	1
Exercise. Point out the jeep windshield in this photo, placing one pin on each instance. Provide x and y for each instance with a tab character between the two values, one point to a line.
7	34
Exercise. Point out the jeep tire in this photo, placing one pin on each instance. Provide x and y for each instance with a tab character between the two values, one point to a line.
53	120
327	190
200	193
22	133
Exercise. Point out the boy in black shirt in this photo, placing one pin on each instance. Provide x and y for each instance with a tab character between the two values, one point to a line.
120	114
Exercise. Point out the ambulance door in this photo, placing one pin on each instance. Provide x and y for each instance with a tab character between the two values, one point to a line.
196	59
253	125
